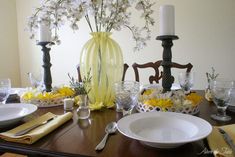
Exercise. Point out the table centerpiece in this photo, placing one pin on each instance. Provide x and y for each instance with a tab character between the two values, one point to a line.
153	99
102	17
47	99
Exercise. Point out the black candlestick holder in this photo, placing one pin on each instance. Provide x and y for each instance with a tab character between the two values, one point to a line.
167	43
47	80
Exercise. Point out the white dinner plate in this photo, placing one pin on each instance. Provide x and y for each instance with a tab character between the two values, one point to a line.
164	129
12	113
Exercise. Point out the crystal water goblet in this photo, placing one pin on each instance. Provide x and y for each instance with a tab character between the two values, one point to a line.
126	95
221	96
5	86
186	81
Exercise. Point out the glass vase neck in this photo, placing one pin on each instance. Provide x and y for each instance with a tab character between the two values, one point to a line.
99	34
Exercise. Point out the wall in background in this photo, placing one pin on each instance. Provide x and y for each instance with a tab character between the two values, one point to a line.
9	62
205	29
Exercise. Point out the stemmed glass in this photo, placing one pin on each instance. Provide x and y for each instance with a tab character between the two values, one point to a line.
5	85
221	96
186	81
126	96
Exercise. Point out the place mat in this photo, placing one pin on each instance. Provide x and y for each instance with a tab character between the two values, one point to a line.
38	132
217	143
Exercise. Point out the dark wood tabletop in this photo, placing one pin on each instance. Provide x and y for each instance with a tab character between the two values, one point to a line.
80	137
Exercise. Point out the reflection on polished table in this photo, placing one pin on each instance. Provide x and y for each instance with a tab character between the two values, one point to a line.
79	138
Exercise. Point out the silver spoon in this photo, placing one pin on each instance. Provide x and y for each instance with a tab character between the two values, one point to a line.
109	129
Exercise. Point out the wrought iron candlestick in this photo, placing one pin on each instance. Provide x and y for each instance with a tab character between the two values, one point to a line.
46	65
167	43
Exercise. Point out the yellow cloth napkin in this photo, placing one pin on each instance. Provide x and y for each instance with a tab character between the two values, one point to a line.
217	143
38	132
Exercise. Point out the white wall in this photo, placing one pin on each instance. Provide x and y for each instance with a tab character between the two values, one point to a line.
9	62
205	29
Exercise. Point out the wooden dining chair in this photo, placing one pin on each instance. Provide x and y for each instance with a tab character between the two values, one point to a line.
156	66
126	66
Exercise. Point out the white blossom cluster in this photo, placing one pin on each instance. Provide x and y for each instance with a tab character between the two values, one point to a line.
100	15
178	97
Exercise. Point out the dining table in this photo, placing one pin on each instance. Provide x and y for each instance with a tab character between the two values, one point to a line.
80	137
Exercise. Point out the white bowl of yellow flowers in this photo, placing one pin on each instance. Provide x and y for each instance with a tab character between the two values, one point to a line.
152	99
47	99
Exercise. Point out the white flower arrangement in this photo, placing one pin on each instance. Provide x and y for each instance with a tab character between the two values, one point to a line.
100	15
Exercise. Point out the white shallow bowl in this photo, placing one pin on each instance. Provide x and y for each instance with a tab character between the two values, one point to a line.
164	129
13	113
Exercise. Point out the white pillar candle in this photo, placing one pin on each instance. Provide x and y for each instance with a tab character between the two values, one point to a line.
68	104
167	20
44	32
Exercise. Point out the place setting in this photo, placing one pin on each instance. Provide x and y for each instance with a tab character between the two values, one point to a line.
161	120
12	118
13	114
32	131
154	123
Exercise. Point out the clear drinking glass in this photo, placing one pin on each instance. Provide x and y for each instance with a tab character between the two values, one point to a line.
83	110
186	81
221	96
126	96
5	86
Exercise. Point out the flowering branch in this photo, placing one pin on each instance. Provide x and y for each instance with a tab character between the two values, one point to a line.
108	15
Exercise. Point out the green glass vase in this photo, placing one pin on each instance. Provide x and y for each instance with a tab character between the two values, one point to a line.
102	57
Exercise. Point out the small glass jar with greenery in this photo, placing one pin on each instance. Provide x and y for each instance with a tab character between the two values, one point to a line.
81	90
210	77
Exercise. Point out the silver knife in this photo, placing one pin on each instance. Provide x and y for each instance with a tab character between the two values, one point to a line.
228	139
22	132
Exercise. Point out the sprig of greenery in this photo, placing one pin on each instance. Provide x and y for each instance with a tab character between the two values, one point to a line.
83	87
212	75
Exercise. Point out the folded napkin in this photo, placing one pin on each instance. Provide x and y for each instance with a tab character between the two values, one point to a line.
38	132
217	143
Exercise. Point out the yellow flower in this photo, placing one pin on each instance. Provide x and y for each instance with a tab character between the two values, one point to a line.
66	91
57	95
194	98
28	96
96	106
161	103
60	93
148	91
77	100
166	103
40	96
